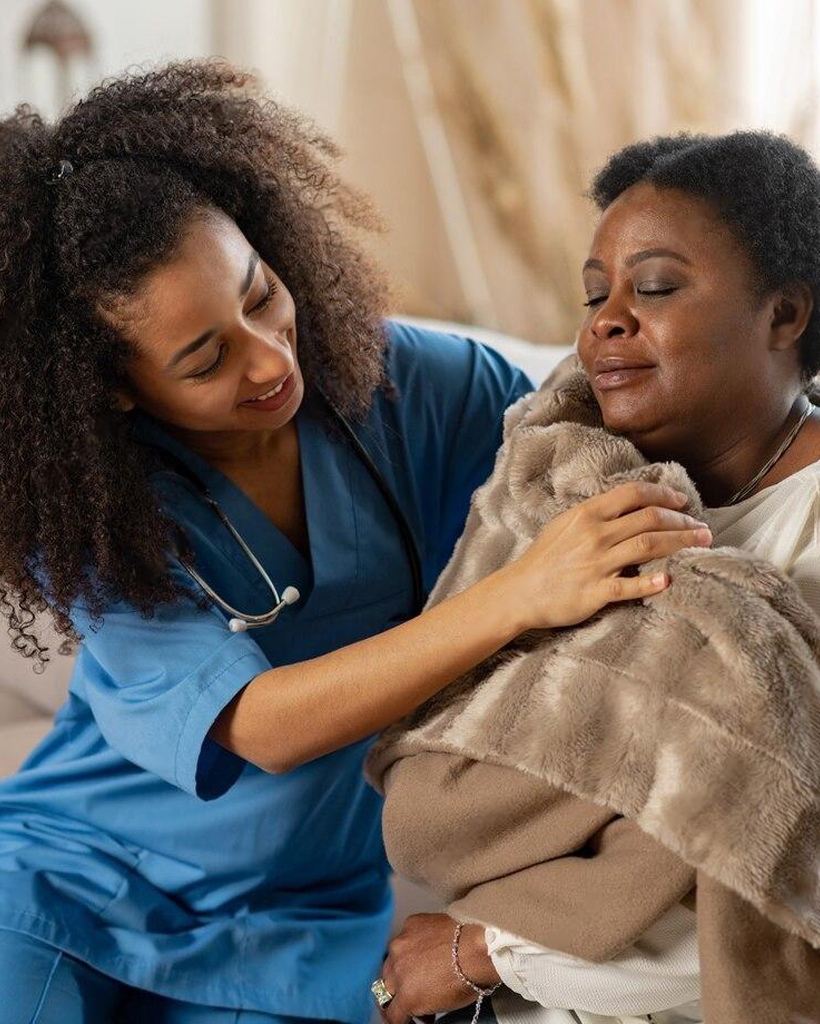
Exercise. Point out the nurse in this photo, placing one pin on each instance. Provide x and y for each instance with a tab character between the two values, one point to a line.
194	840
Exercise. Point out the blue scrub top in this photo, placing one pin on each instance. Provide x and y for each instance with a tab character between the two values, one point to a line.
133	841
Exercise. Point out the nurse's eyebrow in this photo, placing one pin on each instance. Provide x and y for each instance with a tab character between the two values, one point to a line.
205	337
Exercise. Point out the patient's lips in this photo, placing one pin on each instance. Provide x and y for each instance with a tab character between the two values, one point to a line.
617	371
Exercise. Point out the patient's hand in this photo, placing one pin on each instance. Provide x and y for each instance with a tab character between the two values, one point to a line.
419	967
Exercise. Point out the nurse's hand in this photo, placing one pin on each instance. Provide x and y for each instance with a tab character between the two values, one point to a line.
419	968
573	568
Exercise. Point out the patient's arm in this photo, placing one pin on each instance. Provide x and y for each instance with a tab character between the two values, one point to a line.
657	973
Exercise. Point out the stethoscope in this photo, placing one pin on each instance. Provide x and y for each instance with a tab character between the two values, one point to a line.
239	621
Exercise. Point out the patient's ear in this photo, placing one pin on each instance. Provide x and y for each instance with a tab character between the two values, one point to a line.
793	307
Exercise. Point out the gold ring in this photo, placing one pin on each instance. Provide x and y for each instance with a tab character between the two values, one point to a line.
379	990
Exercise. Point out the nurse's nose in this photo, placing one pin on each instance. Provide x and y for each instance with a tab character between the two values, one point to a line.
269	358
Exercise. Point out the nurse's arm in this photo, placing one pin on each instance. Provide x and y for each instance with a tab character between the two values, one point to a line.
292	714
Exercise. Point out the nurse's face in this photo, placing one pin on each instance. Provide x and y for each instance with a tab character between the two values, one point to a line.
215	328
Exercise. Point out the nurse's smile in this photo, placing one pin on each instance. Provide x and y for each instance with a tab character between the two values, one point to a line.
275	397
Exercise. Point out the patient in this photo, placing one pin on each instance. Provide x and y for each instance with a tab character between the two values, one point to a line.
699	345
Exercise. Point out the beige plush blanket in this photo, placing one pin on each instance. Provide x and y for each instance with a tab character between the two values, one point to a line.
577	783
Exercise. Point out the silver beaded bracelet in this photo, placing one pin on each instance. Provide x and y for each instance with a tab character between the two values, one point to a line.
480	992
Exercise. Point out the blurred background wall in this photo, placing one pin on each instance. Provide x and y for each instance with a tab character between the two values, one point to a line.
474	124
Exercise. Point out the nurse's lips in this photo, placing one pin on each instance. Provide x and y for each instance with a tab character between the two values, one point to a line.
277	400
611	372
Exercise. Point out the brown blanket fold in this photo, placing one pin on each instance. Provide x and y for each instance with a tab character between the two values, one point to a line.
577	783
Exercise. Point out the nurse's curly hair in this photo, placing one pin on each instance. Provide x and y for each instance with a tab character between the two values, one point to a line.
764	186
149	150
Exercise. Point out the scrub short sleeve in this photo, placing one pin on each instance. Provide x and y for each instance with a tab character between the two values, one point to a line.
155	686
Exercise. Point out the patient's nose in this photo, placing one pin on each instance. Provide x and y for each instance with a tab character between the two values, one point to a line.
612	320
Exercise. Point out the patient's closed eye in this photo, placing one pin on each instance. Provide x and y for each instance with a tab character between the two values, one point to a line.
649	290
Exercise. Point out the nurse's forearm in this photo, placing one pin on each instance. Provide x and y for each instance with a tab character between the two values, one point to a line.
293	714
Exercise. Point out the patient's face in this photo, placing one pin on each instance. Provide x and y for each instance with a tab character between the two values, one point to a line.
676	339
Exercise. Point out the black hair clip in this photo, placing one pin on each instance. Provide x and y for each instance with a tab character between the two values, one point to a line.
66	167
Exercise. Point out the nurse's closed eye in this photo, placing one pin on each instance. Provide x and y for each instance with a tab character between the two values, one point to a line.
263	303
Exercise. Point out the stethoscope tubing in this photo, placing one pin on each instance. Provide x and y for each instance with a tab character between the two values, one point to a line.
242	620
250	620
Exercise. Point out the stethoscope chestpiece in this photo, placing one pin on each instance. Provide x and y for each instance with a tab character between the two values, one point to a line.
290	595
